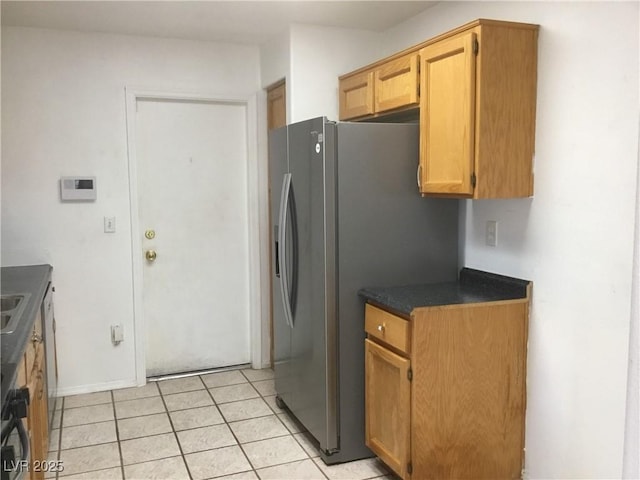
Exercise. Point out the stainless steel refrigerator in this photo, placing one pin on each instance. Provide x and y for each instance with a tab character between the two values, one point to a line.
345	214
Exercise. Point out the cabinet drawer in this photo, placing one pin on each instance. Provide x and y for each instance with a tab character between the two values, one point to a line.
387	327
396	84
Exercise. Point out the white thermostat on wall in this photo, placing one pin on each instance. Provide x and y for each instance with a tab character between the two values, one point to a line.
77	188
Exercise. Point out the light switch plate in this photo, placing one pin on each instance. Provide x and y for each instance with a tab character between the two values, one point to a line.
109	224
117	335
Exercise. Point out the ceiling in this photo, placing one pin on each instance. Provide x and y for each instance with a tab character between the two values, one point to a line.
239	21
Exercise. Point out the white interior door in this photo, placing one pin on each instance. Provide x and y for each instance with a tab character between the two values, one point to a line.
192	193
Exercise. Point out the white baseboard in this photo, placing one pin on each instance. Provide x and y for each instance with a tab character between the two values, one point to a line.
101	387
96	387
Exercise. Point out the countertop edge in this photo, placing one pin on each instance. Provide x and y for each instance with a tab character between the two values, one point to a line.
472	286
32	279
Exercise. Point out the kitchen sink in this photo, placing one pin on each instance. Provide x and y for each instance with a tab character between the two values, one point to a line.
9	302
11	309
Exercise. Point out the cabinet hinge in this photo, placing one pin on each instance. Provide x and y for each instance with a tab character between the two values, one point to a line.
473	180
410	374
409	468
476	46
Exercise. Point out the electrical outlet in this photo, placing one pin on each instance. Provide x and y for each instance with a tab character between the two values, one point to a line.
492	233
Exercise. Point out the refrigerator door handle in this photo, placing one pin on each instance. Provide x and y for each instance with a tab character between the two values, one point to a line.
276	249
282	248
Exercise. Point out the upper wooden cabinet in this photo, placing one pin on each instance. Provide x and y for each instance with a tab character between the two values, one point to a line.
391	86
477	102
478	111
396	84
356	95
447	116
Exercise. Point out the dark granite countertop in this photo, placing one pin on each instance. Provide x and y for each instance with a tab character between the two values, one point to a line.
32	279
473	286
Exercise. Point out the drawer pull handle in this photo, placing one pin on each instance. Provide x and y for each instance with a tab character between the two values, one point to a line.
381	328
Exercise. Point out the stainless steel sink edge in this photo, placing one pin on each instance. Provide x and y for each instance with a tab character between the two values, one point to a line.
14	305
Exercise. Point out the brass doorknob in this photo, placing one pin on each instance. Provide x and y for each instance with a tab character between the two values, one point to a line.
150	255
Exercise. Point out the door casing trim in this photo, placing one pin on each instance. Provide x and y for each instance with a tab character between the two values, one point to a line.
132	95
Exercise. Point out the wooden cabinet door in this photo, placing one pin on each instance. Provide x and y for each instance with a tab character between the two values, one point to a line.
396	84
387	406
37	418
447	110
470	394
277	106
356	95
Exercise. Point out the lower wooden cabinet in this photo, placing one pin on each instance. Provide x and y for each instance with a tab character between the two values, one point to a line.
32	374
37	415
388	405
452	403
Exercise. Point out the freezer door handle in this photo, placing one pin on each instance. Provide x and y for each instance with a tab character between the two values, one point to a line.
282	248
276	250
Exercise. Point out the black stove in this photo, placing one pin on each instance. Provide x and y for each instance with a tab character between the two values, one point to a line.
15	440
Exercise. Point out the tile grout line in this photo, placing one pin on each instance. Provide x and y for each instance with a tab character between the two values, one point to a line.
115	420
92	445
282	411
262	396
253	469
173	429
59	436
289	433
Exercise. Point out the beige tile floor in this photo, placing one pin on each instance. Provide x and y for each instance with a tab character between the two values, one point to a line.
221	425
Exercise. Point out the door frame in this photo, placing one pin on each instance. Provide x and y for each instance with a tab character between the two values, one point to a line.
132	95
280	84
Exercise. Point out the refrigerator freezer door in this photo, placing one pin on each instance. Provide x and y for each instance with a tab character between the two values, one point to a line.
278	167
313	354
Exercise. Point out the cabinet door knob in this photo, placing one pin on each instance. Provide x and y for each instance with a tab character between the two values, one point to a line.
35	338
381	328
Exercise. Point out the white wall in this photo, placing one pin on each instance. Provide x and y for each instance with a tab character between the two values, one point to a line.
631	464
275	59
63	113
311	59
574	238
319	55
